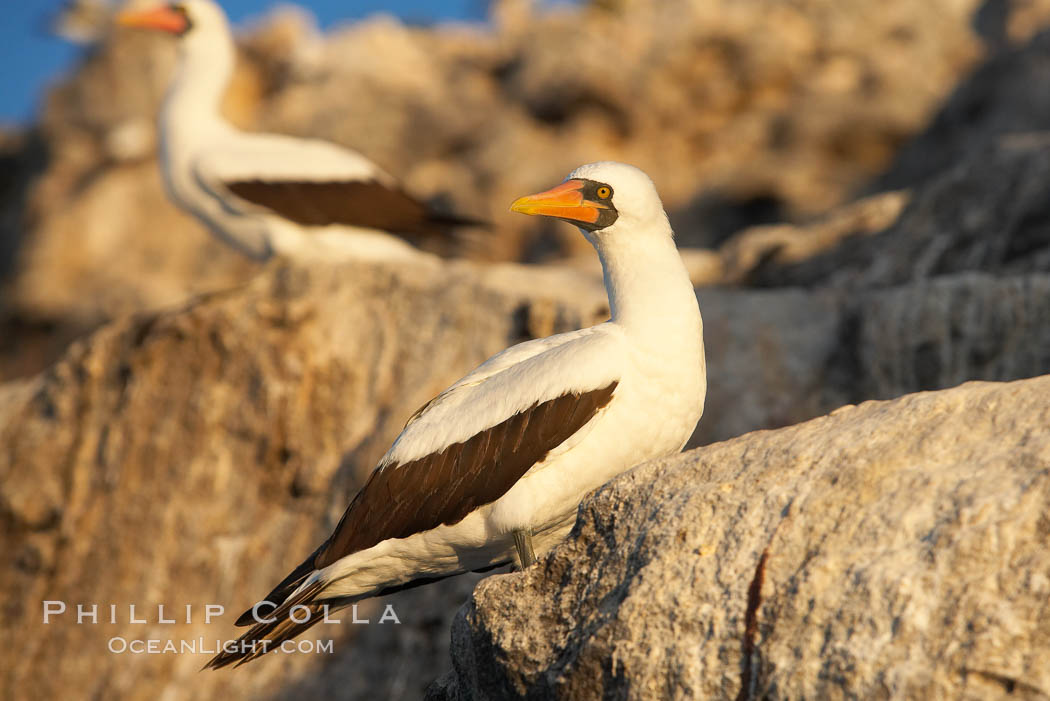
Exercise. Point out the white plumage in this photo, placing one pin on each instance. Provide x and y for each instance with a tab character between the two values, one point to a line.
579	361
269	193
546	421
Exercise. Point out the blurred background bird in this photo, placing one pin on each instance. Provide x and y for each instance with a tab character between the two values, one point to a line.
270	193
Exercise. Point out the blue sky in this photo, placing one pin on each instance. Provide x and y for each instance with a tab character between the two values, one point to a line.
32	57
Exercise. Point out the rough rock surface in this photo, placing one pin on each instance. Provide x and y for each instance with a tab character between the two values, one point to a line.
977	178
890	550
1008	94
194	456
780	356
791	106
988	212
192	450
746	257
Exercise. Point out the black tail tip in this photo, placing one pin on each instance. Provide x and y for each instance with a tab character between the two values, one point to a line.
255	614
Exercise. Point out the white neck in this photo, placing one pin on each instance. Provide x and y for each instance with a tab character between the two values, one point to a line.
194	100
650	294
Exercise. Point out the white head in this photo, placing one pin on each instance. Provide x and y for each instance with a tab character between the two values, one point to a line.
606	200
206	56
200	25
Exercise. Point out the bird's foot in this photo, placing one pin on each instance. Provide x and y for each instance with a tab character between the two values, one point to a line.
523	542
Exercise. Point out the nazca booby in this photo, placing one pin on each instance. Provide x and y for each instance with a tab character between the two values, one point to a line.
492	470
270	193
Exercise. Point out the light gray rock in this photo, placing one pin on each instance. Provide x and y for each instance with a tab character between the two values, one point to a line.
977	178
198	453
890	550
745	255
939	333
769	358
783	355
1007	95
194	456
987	211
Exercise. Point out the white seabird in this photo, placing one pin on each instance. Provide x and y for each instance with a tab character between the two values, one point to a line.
492	470
270	193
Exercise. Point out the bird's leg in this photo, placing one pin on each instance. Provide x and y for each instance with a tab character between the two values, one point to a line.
523	542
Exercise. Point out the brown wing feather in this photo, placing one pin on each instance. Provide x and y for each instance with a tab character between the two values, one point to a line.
442	488
361	203
416	496
267	636
283	590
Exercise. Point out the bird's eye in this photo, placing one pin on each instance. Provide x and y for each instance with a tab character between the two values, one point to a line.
604	192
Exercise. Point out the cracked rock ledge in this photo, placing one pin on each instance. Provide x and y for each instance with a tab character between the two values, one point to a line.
894	549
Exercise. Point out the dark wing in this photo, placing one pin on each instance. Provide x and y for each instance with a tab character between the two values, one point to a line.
360	203
442	488
400	500
268	636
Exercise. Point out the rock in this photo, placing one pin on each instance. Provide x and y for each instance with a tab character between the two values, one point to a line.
986	213
892	549
939	333
747	254
977	178
1005	23
1009	94
199	442
22	159
791	108
777	357
769	356
194	456
108	267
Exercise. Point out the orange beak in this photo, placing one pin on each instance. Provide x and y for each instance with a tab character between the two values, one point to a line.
164	19
564	202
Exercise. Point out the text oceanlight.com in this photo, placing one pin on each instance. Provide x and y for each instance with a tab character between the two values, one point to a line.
120	646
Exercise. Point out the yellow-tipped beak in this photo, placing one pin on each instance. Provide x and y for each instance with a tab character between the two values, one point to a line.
564	202
164	19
